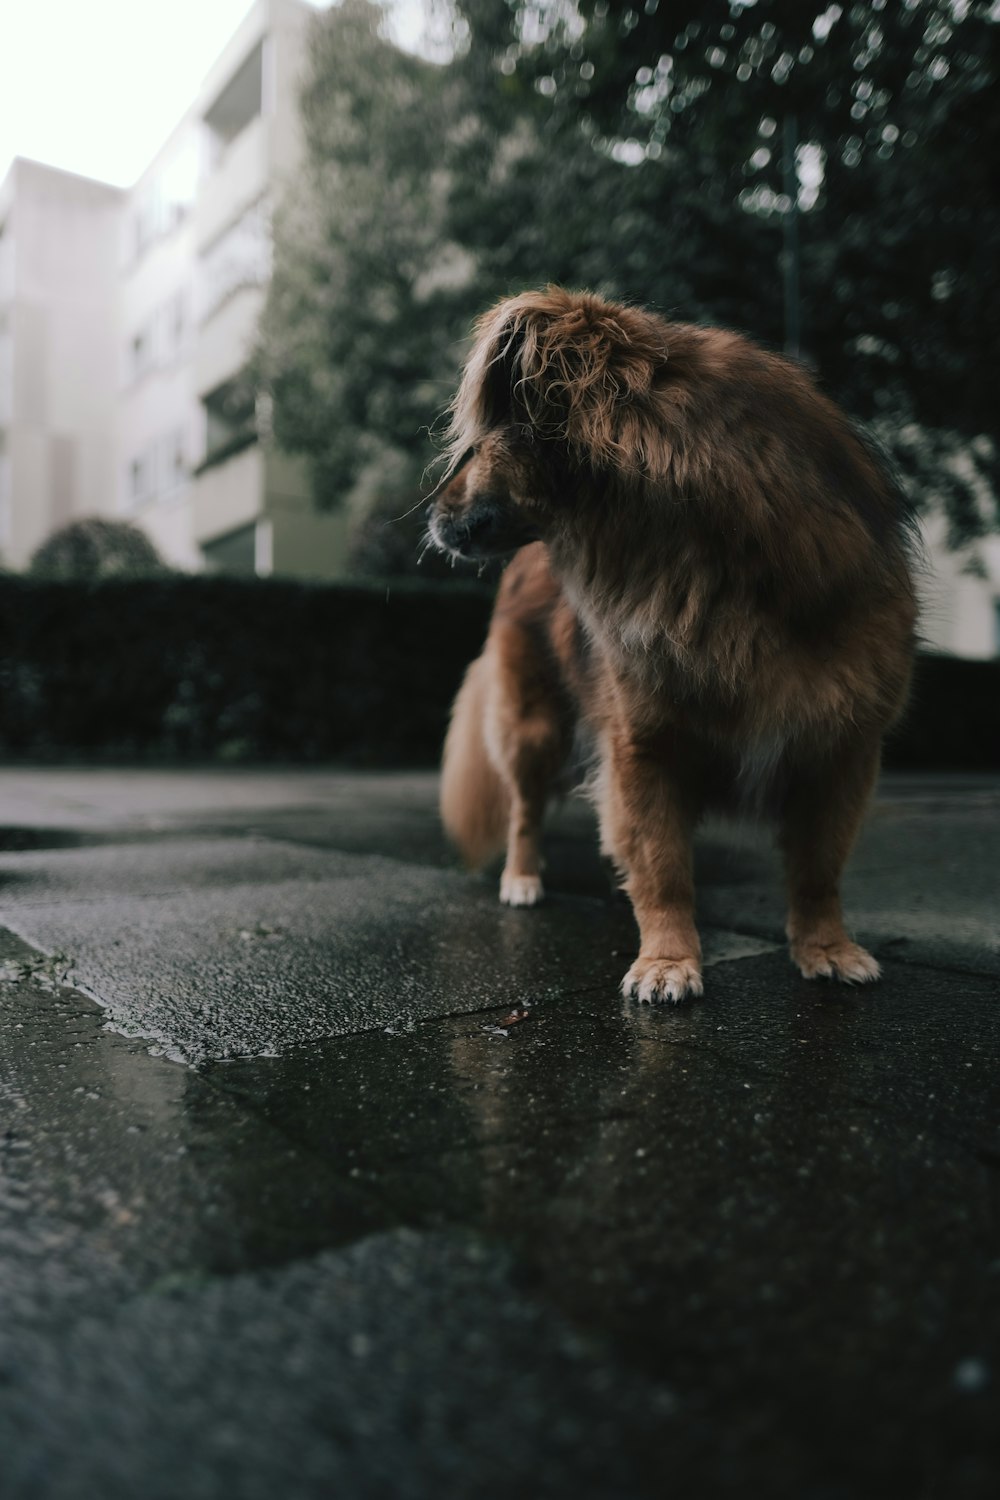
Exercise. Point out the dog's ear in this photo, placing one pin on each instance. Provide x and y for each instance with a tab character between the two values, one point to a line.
486	398
570	366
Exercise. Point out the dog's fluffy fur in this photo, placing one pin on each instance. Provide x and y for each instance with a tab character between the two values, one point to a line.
712	575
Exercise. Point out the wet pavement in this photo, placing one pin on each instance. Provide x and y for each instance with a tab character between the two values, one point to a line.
320	1173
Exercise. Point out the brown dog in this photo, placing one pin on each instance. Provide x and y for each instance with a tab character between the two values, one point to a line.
715	582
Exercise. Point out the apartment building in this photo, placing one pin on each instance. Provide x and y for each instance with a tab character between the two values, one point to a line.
58	352
195	264
126	318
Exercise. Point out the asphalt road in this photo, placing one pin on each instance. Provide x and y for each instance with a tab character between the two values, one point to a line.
322	1174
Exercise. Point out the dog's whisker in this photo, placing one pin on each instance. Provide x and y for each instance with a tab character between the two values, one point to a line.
416	506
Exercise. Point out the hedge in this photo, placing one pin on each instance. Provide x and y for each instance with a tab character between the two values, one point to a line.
191	669
953	719
194	669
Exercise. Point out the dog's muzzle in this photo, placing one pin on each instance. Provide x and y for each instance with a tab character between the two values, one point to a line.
484	529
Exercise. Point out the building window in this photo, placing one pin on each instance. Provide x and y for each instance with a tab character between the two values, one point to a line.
175	322
140	479
165	200
175	467
143	223
240	102
229	421
234	554
160	468
239	257
141	352
161	339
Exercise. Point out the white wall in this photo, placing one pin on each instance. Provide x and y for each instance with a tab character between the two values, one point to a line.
960	594
60	331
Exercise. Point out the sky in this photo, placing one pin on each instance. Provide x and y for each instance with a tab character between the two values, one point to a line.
96	86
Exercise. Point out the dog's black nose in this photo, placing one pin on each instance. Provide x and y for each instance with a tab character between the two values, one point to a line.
480	522
471	529
485	528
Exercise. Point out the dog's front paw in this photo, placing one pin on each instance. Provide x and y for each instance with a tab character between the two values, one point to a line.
521	890
655	980
841	960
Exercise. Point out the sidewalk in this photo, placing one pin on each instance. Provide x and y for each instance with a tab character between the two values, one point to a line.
289	1205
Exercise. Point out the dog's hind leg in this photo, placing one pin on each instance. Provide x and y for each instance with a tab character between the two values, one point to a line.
529	735
535	759
820	820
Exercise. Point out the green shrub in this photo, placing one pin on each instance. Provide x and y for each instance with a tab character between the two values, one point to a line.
97	548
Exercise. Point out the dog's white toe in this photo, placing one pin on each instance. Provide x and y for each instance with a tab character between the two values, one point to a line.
843	960
521	890
653	981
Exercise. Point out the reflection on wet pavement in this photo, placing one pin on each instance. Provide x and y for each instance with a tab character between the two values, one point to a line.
515	1232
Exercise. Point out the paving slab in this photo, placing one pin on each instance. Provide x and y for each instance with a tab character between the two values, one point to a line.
192	945
922	885
318	1381
240	946
423	1208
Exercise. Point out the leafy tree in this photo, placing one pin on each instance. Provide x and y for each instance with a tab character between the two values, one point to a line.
427	192
639	149
96	548
354	348
898	101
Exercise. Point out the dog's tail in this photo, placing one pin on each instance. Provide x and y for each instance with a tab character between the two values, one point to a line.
474	801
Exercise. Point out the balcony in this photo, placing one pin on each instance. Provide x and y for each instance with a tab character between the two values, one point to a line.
236	135
240	102
229	495
225	341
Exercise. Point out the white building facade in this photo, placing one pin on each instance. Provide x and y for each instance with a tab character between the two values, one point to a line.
126	318
58	352
960	594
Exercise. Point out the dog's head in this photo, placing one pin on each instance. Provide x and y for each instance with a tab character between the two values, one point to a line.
557	387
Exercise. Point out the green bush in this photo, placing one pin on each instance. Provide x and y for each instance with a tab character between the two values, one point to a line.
96	547
953	721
